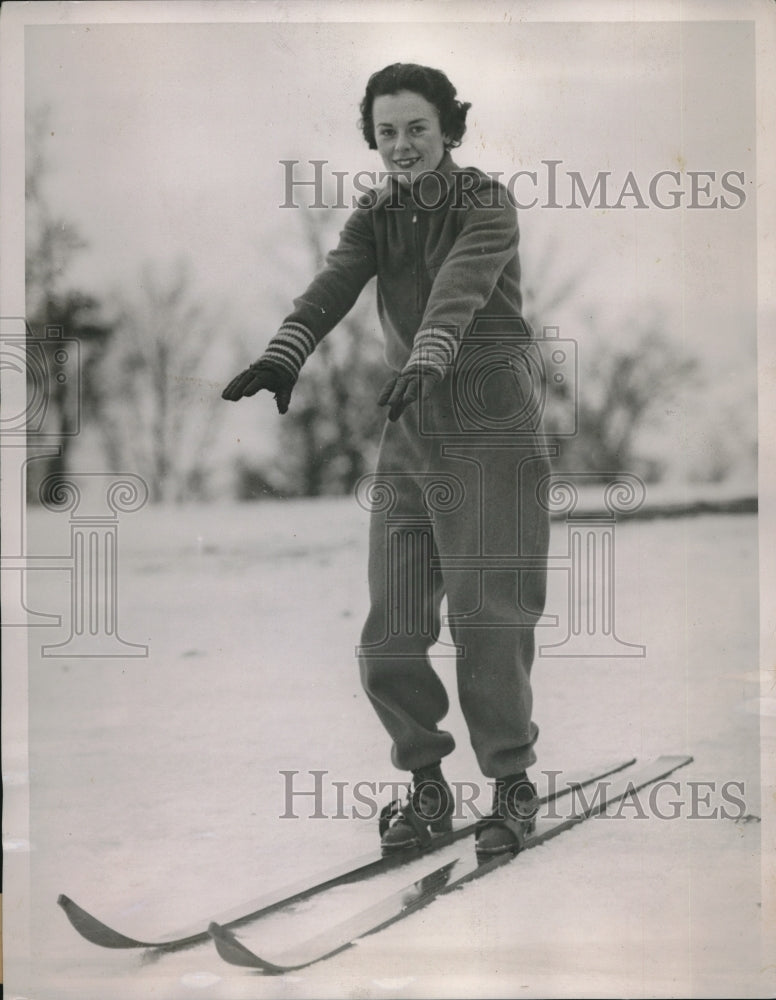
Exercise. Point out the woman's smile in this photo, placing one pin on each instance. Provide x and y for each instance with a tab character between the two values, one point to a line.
408	135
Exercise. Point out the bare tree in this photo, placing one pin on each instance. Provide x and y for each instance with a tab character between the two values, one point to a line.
625	385
627	377
51	238
55	306
155	406
329	435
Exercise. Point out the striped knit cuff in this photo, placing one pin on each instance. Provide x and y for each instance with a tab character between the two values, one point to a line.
434	348
291	346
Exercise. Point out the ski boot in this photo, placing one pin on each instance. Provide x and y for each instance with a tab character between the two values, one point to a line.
513	817
427	812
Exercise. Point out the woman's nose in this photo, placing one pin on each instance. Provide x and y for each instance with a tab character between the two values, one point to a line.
402	141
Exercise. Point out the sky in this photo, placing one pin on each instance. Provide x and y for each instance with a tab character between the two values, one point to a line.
166	139
170	137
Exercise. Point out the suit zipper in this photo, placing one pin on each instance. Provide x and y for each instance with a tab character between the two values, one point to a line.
418	288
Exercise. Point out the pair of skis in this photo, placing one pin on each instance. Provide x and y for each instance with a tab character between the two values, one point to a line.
626	779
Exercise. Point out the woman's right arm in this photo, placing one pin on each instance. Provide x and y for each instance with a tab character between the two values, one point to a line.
328	298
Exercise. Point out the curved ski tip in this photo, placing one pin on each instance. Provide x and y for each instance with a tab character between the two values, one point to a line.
232	951
227	945
223	937
95	930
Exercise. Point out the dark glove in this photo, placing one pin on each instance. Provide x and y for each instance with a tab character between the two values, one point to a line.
262	375
433	352
401	390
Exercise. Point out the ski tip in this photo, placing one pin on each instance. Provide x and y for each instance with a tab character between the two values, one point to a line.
227	944
95	930
235	953
228	947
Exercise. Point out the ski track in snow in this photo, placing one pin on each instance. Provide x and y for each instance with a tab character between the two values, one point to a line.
156	791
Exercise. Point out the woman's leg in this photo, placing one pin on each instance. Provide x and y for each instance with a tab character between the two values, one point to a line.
501	532
403	620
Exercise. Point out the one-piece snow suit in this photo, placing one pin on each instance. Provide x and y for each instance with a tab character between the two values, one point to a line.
456	511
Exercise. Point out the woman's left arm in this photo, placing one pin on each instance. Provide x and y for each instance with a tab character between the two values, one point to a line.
485	245
467	279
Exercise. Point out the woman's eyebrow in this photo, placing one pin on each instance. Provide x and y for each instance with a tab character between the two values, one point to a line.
415	121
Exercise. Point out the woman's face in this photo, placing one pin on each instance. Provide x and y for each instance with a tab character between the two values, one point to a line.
408	135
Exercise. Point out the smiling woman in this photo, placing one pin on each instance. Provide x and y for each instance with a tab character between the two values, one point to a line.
409	136
458	475
410	115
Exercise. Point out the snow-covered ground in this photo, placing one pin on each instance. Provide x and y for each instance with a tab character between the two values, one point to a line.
156	791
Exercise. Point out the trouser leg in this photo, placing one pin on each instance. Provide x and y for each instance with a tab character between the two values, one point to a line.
490	546
493	611
403	621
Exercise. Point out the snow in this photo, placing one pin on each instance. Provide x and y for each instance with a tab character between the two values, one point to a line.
156	791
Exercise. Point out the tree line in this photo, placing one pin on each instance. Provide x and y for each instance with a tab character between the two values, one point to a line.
149	394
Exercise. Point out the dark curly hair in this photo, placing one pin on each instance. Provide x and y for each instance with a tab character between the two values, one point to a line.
429	83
